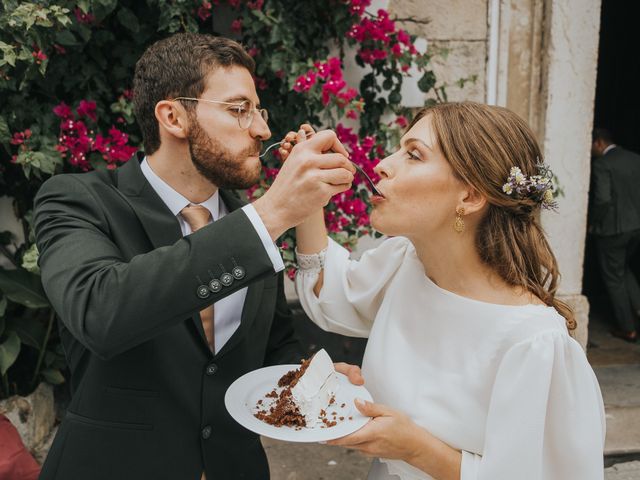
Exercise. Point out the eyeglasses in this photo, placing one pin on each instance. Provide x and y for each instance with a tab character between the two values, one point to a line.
244	110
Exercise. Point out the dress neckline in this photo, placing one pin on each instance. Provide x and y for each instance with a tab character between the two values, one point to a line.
462	298
449	293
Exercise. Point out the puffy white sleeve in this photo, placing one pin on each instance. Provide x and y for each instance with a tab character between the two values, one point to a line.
352	291
546	416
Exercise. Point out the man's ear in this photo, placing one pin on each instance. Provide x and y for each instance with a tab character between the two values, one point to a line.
172	118
472	200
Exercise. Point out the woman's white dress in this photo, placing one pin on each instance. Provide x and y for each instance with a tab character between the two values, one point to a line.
506	385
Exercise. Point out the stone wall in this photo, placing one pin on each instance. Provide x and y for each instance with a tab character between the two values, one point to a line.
458	27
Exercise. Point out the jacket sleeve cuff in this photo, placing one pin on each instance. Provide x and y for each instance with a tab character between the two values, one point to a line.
269	246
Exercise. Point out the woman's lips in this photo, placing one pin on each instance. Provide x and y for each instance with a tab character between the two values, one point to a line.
376	199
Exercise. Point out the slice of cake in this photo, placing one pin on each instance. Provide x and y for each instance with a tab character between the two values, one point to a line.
306	393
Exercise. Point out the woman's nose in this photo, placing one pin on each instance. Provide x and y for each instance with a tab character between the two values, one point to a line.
383	168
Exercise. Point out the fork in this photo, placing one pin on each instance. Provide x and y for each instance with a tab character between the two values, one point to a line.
372	184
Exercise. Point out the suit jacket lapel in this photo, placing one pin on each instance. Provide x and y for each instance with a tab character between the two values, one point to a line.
163	229
159	223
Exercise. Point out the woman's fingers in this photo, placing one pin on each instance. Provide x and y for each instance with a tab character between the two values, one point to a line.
352	372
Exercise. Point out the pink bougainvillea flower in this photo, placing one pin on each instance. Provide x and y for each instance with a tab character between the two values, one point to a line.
255	4
403	37
204	11
236	26
331	88
87	108
402	121
39	56
63	111
83	17
357	7
304	82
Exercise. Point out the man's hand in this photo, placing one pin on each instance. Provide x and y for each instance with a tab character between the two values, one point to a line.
316	169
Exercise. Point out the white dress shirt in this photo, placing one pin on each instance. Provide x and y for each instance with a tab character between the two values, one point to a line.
609	147
504	384
228	311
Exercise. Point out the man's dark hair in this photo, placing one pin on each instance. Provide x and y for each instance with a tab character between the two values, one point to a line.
601	134
177	66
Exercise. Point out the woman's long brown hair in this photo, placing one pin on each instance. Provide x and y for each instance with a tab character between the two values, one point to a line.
482	143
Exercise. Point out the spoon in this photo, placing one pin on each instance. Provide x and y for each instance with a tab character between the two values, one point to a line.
372	184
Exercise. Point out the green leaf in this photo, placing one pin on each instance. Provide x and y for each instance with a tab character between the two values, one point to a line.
84	6
395	98
9	351
23	287
3	307
129	20
5	134
427	81
53	376
66	38
30	330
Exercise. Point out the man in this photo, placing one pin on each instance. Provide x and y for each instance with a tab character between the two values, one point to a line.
165	285
615	223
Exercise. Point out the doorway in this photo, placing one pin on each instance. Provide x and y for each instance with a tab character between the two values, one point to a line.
616	108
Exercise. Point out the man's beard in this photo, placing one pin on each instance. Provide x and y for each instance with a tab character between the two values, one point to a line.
219	165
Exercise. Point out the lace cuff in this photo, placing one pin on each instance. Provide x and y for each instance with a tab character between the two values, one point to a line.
313	263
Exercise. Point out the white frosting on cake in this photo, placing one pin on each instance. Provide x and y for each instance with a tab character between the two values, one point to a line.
315	387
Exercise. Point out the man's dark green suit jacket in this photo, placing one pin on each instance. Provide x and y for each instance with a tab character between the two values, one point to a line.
148	394
615	202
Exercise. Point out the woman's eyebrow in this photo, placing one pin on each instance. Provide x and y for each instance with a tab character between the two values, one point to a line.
415	140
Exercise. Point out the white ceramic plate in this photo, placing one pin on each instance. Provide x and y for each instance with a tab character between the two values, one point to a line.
243	394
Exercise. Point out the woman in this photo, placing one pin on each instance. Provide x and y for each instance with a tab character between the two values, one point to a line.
469	358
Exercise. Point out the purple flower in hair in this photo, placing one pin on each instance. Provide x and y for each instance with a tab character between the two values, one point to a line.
538	188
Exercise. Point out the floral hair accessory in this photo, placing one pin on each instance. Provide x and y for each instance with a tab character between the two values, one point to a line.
538	188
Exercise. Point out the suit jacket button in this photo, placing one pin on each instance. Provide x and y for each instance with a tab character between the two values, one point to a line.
238	273
211	369
206	432
215	285
226	279
203	291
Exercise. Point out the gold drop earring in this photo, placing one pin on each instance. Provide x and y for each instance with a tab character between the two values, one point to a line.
458	225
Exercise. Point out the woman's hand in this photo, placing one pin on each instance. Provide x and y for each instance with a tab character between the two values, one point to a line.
352	372
390	434
292	138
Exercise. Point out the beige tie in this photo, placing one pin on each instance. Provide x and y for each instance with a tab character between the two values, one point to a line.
197	217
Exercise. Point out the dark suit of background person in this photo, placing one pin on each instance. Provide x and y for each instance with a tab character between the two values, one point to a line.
148	393
615	223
